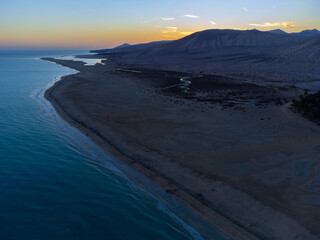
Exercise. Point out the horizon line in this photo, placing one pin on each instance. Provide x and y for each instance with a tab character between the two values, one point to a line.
89	48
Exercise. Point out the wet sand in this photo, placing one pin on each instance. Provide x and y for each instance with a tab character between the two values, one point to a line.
231	151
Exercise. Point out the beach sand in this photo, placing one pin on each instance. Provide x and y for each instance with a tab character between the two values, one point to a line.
247	165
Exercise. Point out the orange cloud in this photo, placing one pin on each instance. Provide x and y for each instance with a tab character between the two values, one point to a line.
275	24
186	33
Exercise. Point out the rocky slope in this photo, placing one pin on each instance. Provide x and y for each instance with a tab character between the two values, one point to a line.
251	54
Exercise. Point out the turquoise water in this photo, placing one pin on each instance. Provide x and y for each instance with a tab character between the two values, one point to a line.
57	184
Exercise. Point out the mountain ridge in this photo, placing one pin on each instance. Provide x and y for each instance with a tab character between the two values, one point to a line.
251	54
308	33
140	46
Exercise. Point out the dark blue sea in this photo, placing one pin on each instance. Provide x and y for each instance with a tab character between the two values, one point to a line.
56	184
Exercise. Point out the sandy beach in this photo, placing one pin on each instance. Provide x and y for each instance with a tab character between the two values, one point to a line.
232	151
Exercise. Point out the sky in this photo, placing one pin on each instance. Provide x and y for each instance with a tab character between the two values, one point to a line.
93	24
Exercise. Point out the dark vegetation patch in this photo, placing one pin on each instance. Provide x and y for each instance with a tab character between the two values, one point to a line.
225	91
308	105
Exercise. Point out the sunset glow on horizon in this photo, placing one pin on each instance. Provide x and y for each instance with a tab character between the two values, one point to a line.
100	24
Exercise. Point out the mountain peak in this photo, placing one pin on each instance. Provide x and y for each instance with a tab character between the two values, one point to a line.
307	33
311	30
122	45
225	41
278	31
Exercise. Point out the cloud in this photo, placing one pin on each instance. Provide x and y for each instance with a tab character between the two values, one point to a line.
170	30
213	23
245	9
186	33
275	24
191	16
168	36
167	18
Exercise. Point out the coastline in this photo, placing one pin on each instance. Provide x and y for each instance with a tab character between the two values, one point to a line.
192	199
218	221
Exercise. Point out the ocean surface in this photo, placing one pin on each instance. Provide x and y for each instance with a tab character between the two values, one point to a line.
56	184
